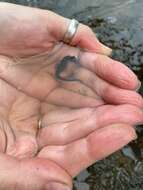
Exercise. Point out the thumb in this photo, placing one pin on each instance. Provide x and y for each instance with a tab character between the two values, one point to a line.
86	39
32	174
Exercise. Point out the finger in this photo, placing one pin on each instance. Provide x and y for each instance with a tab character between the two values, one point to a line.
32	174
86	39
80	88
110	70
63	97
65	115
48	108
60	128
80	154
109	93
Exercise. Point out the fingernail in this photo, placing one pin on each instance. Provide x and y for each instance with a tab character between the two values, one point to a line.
107	50
135	137
56	186
139	85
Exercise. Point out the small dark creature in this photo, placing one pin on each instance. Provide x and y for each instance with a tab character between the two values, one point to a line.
66	68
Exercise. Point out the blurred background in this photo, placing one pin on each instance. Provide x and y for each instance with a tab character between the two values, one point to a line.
119	24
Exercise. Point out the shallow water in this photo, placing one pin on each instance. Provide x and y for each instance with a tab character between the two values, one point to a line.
119	24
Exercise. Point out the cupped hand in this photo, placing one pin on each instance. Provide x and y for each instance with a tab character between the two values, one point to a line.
72	136
68	141
29	32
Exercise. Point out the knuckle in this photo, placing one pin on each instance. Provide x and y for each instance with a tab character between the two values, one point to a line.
89	29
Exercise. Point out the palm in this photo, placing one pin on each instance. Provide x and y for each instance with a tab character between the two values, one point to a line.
30	91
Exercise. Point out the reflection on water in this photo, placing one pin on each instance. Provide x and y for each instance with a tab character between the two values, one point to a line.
119	24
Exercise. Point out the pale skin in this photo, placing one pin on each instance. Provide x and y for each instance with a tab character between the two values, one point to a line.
82	121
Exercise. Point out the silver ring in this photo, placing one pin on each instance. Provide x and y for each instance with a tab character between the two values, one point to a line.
39	124
71	31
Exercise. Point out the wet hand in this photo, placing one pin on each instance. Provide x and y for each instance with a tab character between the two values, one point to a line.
69	139
38	31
